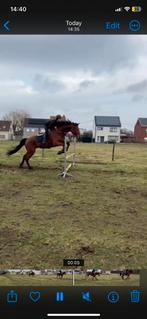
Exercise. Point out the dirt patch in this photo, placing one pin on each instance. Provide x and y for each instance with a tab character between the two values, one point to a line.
12	236
86	250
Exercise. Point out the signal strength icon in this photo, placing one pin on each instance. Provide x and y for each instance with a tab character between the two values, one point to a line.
127	8
118	10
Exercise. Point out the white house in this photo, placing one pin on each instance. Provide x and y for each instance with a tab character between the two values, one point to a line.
106	129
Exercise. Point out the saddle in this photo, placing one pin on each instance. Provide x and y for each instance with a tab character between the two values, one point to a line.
41	139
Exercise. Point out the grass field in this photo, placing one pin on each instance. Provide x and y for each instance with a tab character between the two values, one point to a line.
80	280
100	214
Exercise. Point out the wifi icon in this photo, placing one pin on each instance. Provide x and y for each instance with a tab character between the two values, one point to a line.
127	8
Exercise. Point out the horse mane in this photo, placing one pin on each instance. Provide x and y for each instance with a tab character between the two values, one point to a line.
65	123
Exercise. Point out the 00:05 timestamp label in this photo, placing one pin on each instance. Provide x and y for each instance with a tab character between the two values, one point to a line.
73	262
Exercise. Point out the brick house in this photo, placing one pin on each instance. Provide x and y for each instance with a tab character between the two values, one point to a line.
6	130
140	130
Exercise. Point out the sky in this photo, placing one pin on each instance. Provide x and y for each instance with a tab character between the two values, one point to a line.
80	76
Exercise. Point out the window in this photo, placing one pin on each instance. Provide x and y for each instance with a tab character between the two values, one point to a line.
99	128
113	138
113	129
2	137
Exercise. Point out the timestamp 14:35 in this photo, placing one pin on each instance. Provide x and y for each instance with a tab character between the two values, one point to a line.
73	29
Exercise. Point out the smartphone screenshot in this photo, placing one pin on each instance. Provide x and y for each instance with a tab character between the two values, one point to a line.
73	159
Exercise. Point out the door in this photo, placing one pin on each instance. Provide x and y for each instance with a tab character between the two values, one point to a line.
102	139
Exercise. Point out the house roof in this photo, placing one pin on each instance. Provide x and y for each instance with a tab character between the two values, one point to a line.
34	122
107	121
143	121
5	126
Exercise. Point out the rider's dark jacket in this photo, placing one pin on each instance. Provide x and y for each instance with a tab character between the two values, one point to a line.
50	124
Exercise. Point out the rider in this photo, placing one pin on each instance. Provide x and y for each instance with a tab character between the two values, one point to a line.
50	125
93	271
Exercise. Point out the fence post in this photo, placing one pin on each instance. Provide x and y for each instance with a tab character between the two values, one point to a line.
113	151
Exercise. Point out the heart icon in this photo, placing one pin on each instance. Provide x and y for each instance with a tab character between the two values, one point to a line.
34	295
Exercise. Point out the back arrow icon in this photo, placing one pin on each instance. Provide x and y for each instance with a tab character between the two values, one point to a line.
5	25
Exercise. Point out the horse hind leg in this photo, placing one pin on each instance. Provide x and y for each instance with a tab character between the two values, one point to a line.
22	162
26	158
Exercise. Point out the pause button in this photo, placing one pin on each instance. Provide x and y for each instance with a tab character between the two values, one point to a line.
59	296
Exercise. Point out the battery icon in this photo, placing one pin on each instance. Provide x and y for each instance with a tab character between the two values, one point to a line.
136	9
135	296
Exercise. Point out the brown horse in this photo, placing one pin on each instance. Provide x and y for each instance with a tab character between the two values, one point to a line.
56	138
31	273
125	274
93	274
60	274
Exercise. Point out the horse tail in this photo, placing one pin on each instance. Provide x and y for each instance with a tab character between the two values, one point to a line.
18	147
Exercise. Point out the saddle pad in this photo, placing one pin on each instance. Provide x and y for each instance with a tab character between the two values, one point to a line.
40	138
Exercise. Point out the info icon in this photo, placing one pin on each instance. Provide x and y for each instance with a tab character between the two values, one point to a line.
113	297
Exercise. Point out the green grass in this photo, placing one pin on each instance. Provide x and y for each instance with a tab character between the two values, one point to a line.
100	214
80	280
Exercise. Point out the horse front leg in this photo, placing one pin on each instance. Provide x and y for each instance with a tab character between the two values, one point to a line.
67	146
63	148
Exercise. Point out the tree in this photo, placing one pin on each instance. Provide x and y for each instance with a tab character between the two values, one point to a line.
17	118
126	131
86	137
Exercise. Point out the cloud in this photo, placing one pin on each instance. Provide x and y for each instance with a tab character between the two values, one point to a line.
137	90
68	81
139	98
49	83
140	86
15	88
79	76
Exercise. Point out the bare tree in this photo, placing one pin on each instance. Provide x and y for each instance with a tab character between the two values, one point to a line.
126	131
17	117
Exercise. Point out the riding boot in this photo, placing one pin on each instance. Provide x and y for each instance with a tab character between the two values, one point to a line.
46	136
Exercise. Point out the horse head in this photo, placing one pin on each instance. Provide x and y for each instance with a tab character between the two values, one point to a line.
75	129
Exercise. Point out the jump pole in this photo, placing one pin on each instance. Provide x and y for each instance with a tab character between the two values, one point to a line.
73	155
